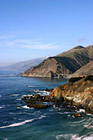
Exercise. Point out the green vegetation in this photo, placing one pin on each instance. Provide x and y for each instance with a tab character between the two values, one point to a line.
38	66
74	79
89	77
67	63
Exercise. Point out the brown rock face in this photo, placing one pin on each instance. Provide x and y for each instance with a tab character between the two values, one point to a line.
49	68
63	64
79	93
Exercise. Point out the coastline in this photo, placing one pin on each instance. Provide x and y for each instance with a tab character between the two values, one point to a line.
78	93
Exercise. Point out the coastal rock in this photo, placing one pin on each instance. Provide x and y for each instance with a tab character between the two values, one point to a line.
38	106
77	115
79	94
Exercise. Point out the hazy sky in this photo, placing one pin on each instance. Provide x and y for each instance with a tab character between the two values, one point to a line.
37	28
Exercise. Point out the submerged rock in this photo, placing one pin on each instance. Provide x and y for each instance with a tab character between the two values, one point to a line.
77	115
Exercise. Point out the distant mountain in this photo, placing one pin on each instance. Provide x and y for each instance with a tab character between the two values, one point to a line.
22	66
62	64
83	71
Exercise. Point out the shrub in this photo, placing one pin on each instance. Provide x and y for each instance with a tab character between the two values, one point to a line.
74	79
89	77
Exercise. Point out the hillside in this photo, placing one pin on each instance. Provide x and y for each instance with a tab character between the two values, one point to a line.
83	71
22	66
63	64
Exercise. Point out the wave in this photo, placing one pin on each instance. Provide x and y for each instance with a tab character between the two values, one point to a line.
2	107
18	99
22	123
42	92
17	124
26	107
29	86
15	95
41	117
75	137
81	110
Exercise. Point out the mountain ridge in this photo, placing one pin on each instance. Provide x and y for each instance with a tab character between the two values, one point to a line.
62	64
22	66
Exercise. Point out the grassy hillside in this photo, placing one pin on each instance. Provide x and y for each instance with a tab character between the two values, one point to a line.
85	70
64	63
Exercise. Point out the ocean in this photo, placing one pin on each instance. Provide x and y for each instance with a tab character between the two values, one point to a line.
18	122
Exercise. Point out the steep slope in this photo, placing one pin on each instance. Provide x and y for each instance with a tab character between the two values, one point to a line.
22	66
90	51
78	93
62	64
83	71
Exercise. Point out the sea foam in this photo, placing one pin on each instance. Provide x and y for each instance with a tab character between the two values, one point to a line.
26	107
74	137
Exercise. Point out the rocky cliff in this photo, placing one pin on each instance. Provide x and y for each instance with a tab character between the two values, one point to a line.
63	64
77	93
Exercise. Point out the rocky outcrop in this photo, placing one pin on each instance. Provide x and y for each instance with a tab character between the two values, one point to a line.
63	64
79	94
36	101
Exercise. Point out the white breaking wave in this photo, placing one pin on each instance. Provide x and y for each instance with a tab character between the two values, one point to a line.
2	107
81	110
88	125
41	117
22	123
15	95
89	137
74	137
26	107
18	124
44	92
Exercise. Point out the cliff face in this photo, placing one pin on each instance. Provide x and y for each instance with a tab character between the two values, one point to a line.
62	64
51	67
79	93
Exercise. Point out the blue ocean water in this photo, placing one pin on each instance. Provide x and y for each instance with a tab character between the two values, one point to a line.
17	122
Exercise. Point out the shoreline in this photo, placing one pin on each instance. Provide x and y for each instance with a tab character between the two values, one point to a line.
77	93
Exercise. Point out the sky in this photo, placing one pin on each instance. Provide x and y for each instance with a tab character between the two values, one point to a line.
38	28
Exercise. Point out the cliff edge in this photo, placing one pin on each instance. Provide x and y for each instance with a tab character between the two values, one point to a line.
78	92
